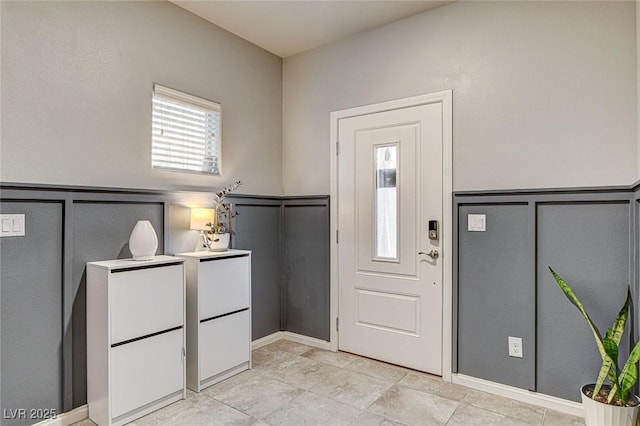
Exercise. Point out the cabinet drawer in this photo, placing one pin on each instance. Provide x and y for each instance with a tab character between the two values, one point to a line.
145	301
146	370
224	343
223	286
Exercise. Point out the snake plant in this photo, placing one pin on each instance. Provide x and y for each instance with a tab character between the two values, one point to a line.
621	381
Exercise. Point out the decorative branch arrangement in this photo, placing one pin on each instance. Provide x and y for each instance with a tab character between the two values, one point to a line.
222	213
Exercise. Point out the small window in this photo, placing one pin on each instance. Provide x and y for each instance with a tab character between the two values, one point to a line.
185	132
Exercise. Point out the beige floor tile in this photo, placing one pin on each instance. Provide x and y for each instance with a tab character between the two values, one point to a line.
555	418
467	415
230	383
413	407
352	388
302	372
156	417
266	358
289	346
377	369
337	359
509	407
205	411
435	385
312	409
259	397
369	419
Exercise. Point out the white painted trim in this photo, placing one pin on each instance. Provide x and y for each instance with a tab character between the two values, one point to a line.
306	340
333	222
292	337
70	417
523	395
446	99
447	233
267	340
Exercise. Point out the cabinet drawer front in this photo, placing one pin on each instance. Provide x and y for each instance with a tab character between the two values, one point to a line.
145	371
224	286
224	343
145	301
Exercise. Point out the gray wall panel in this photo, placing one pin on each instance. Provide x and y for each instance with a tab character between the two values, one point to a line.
588	245
496	295
257	228
31	311
100	232
306	269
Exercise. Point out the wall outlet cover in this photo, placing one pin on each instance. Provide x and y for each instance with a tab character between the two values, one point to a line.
515	347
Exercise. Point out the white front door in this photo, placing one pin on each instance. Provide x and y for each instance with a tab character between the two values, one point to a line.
390	274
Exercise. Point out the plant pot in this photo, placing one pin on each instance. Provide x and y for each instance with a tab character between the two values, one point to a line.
219	242
598	414
143	241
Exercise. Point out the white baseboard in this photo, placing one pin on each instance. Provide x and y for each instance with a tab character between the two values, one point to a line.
547	401
306	340
267	340
70	417
293	337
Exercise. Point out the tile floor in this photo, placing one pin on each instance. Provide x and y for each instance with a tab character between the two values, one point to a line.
294	384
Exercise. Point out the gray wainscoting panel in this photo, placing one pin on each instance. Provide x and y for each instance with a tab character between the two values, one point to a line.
257	228
31	311
496	295
588	244
306	267
100	232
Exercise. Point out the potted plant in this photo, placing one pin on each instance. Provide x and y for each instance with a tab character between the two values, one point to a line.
609	404
218	235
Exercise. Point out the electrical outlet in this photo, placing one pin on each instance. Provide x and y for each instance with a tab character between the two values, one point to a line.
515	347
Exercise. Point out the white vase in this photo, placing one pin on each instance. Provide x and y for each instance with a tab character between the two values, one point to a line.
143	242
599	414
220	242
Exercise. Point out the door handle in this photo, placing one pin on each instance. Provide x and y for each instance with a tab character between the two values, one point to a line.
434	254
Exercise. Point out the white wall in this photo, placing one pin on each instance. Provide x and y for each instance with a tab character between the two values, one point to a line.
544	93
76	94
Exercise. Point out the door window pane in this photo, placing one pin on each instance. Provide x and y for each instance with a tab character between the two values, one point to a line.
386	202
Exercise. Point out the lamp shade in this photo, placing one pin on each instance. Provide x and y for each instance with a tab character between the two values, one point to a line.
200	218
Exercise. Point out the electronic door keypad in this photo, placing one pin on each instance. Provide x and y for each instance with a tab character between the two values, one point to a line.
433	230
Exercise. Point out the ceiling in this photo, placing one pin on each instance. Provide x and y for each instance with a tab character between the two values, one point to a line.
286	28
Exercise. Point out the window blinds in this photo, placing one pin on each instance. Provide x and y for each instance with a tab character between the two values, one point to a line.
185	132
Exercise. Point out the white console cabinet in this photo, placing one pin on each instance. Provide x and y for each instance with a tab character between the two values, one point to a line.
135	337
218	316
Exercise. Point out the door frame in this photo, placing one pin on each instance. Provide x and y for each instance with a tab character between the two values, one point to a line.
445	98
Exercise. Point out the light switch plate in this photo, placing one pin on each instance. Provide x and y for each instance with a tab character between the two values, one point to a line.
477	222
12	225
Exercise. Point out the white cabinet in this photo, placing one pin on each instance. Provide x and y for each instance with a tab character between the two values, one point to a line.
135	337
218	315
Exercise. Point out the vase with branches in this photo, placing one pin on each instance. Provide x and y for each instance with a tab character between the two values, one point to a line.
218	235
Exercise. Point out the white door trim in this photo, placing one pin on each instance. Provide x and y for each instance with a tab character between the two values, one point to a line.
446	99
